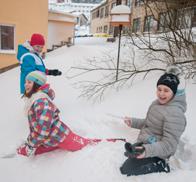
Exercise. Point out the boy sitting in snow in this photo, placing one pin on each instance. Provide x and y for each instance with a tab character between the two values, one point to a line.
160	131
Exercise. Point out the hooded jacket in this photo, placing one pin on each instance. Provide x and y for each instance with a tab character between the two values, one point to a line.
29	61
45	126
160	131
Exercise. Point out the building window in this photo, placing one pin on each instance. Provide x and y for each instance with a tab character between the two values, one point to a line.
118	2
112	5
148	23
162	22
106	11
129	2
60	1
194	18
94	15
101	29
139	2
136	25
101	12
97	14
111	30
172	19
105	29
6	37
183	18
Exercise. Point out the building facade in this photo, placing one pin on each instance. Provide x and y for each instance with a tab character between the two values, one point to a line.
151	16
100	17
60	28
158	16
16	26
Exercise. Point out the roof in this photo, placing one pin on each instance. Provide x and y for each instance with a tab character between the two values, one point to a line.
54	15
79	14
99	5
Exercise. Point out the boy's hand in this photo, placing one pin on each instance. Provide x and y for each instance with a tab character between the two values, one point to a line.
134	150
142	155
127	121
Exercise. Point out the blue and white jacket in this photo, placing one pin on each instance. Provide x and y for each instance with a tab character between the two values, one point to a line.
29	61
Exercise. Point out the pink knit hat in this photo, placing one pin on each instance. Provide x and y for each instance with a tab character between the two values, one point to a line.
37	39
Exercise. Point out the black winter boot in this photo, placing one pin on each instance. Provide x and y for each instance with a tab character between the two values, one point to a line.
133	166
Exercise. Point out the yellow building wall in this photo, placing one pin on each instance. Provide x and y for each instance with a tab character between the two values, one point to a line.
60	28
100	22
104	21
28	17
59	31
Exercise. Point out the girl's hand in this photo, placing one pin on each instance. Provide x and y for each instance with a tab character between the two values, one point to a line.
127	121
26	150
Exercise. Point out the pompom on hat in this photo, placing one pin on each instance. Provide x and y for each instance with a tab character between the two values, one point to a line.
170	78
37	39
37	77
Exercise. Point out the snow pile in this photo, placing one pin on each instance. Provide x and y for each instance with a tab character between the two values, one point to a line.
96	120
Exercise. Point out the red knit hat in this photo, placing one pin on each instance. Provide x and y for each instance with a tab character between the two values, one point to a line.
37	39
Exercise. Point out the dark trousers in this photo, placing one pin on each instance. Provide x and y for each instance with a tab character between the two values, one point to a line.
133	166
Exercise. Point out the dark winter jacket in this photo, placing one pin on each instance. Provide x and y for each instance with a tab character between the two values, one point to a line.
29	61
161	129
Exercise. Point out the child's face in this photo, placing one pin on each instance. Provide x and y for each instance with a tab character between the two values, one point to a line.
164	94
28	86
38	48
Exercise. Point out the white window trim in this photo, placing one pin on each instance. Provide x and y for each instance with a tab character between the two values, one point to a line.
9	51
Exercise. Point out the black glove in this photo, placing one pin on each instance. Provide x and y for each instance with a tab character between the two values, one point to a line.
54	72
132	151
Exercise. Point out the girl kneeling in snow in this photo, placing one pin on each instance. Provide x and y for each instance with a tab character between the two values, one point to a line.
47	131
160	131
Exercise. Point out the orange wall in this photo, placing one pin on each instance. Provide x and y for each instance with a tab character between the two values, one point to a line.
60	28
28	16
59	31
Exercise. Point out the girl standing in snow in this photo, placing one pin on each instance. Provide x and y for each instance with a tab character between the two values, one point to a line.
47	131
30	59
160	131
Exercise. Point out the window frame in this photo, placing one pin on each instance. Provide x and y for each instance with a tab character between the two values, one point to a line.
162	22
105	29
8	51
101	14
194	17
138	28
147	25
106	10
138	3
113	5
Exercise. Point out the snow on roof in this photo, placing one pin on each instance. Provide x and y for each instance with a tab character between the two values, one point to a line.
77	14
61	12
121	9
85	4
99	5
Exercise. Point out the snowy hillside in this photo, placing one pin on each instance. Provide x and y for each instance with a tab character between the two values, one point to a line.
99	163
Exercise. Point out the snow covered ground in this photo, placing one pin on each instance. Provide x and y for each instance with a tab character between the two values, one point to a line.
94	163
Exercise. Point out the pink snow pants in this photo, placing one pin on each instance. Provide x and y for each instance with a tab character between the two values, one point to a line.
72	143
